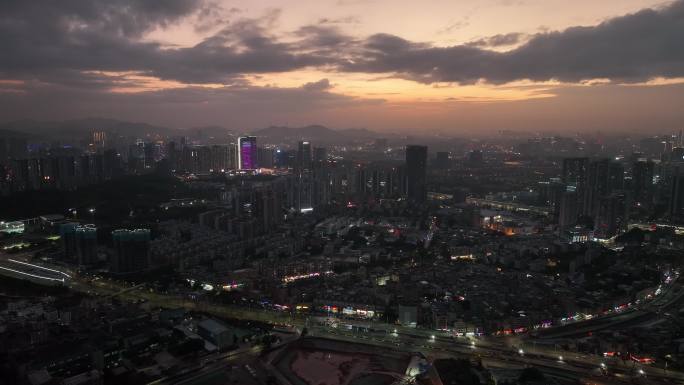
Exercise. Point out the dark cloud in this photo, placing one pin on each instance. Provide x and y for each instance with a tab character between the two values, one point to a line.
322	37
237	106
631	48
41	40
340	20
500	40
60	41
321	85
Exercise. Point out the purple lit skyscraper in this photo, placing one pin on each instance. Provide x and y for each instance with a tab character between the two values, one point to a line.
247	153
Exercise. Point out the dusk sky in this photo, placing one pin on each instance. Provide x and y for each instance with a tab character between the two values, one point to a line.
459	67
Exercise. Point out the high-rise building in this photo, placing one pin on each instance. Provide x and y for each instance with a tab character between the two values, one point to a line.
416	170
676	204
320	154
612	215
67	234
281	158
475	158
86	244
642	183
219	158
304	156
569	210
575	177
442	160
247	153
603	177
265	157
131	250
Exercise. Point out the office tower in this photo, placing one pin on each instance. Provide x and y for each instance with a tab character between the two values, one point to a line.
676	203
247	153
603	177
232	156
642	183
475	158
4	151
416	180
265	157
575	177
551	195
304	156
86	170
173	155
86	244
677	154
612	215
281	158
442	160
99	139
302	190
204	159
131	249
67	233
136	158
219	158
108	165
569	210
152	154
320	154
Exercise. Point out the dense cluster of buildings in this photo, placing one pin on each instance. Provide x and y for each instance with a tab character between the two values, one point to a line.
373	233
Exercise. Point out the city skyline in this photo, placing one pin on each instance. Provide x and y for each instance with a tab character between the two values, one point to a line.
455	68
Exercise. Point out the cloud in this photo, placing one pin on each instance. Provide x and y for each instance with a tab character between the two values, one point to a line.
42	40
631	48
321	85
64	42
500	40
237	106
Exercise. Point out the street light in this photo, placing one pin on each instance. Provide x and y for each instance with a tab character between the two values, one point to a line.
521	352
560	358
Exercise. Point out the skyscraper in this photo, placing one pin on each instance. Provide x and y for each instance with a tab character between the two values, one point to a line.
575	177
86	244
416	163
676	204
603	177
304	156
611	216
568	210
247	153
320	154
265	157
642	183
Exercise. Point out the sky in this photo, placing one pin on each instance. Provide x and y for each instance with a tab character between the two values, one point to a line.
461	67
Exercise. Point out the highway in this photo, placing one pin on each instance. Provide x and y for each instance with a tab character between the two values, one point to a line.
498	352
493	350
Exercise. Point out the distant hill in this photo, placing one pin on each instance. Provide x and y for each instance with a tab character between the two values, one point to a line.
5	133
315	133
208	132
81	128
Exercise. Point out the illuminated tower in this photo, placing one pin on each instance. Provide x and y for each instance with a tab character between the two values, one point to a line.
247	153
